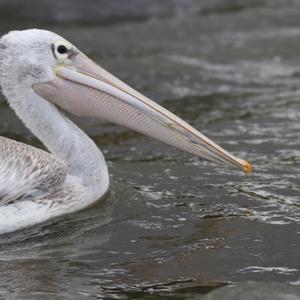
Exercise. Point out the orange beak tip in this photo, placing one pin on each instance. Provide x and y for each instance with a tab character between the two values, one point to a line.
248	168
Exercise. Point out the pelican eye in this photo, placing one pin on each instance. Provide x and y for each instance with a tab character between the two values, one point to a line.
62	49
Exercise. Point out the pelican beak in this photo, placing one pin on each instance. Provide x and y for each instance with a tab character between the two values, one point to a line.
86	89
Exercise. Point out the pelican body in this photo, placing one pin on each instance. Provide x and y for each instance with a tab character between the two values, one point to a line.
42	75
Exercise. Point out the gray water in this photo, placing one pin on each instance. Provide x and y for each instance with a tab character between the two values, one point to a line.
174	226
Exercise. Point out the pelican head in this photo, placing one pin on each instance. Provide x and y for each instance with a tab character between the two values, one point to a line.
43	62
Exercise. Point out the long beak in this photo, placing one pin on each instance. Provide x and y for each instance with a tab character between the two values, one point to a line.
86	89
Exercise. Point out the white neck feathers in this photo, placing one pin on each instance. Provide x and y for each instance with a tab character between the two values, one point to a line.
60	136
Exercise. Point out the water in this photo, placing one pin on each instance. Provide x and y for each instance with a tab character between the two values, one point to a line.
173	226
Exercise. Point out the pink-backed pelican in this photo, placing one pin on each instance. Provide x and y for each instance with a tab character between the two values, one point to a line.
42	73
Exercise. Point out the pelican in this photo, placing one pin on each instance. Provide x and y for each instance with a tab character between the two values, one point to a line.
42	75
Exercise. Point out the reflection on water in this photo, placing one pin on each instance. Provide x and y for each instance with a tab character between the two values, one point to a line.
172	225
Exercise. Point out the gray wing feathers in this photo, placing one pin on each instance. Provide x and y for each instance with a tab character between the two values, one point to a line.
27	172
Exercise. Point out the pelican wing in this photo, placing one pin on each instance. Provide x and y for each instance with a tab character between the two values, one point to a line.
27	172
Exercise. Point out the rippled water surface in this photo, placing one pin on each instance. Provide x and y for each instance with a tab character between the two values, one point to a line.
174	226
